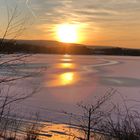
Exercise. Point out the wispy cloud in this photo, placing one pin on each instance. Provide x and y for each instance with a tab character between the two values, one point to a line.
107	15
55	10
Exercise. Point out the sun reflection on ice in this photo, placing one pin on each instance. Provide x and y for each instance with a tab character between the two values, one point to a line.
67	78
63	79
66	65
64	74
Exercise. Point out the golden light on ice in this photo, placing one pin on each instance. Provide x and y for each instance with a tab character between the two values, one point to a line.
67	33
64	79
67	78
66	65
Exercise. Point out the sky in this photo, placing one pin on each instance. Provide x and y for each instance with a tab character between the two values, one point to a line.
98	22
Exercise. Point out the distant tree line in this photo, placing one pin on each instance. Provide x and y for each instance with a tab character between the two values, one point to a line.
13	47
10	47
117	51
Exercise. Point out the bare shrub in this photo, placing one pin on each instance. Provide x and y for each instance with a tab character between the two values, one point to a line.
33	129
123	125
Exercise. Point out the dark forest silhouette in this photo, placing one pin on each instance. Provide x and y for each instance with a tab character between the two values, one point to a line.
54	47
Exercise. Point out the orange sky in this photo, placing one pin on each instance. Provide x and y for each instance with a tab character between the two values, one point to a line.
98	22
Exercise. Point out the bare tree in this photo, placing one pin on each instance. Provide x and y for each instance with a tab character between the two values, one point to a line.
8	117
90	117
15	26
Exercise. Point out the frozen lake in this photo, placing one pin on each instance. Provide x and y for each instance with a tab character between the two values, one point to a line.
65	80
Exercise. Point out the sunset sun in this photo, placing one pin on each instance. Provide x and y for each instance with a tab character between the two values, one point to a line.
67	33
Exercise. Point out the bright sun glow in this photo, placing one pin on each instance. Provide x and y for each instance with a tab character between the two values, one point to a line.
67	33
